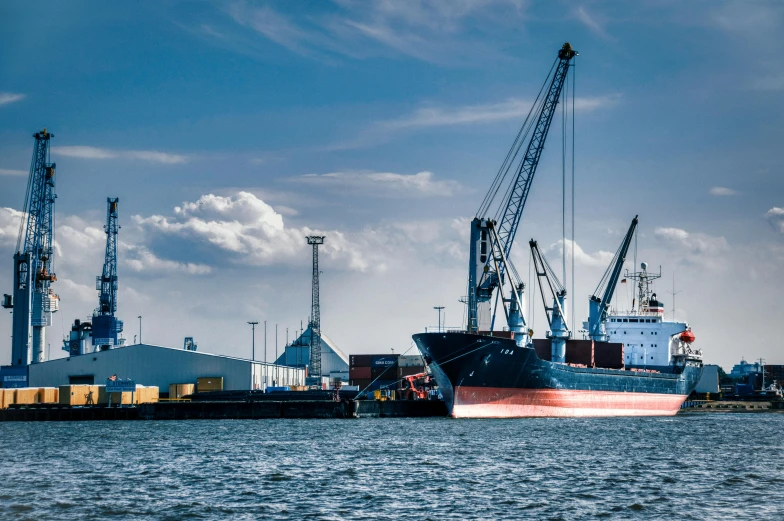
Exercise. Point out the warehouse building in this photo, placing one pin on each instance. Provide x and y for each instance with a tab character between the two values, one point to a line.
159	366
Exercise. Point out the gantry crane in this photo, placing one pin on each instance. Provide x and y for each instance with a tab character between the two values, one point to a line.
491	243
33	300
556	313
106	327
598	306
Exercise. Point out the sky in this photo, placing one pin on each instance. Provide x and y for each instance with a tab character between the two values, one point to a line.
232	130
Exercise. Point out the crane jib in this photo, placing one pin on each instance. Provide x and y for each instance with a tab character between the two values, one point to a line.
525	175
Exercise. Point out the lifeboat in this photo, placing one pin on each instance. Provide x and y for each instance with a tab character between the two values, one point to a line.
688	337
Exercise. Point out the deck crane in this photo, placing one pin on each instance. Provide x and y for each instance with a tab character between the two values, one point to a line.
491	243
598	307
556	315
33	300
106	326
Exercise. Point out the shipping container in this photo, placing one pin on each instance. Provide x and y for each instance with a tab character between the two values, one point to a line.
384	373
27	395
116	398
181	390
408	371
359	360
410	361
209	383
7	397
361	382
48	395
358	372
78	394
543	348
608	355
580	352
383	384
383	361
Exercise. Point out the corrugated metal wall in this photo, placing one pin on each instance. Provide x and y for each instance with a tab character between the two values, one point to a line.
161	366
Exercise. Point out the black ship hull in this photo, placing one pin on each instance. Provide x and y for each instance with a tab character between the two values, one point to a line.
489	377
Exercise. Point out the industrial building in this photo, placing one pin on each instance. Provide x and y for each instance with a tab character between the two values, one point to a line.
159	366
334	362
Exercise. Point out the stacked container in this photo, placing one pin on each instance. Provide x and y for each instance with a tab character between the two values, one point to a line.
209	383
181	390
608	355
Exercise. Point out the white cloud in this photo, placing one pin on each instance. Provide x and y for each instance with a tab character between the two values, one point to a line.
385	184
776	218
433	31
10	220
696	248
722	191
7	171
10	97
600	258
87	152
590	22
142	260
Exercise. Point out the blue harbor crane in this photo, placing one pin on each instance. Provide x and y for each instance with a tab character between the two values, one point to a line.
106	327
599	306
556	313
492	238
33	300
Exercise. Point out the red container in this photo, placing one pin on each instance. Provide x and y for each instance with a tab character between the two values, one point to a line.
543	348
358	372
580	352
608	355
361	382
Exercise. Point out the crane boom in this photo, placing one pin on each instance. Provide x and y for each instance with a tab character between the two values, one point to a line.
484	273
556	315
598	307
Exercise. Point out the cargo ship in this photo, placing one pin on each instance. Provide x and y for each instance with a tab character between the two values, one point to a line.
626	364
647	367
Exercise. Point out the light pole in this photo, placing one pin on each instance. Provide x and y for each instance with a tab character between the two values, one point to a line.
276	355
253	340
140	329
439	308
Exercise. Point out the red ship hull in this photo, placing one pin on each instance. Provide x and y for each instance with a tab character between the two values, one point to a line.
494	402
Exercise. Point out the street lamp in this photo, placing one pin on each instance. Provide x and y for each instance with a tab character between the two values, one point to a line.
253	341
140	329
439	308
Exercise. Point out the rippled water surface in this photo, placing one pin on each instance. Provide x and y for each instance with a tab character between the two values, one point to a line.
698	466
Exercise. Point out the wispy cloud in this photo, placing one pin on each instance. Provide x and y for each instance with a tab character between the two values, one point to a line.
8	171
385	184
599	259
775	217
10	97
87	152
591	22
722	191
697	249
435	31
442	116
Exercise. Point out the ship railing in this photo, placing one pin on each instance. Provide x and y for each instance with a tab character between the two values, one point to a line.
444	329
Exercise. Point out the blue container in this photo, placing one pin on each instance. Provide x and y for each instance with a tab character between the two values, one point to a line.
383	384
743	389
383	361
13	376
279	388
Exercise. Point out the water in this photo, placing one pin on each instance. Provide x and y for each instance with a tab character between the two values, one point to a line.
698	466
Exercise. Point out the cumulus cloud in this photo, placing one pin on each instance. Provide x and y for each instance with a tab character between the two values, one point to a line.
722	191
10	220
10	97
695	248
87	152
600	258
385	183
776	218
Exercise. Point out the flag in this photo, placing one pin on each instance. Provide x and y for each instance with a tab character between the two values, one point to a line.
623	281
113	378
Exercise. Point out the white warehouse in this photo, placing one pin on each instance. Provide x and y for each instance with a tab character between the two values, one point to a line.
151	365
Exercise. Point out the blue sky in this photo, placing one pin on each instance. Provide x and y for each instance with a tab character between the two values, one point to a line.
229	130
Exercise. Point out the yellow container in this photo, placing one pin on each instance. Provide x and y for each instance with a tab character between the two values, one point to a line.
27	395
47	395
117	398
209	383
78	394
180	390
146	394
7	397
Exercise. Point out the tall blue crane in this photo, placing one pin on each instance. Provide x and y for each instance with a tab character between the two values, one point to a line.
106	327
33	300
491	243
598	306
